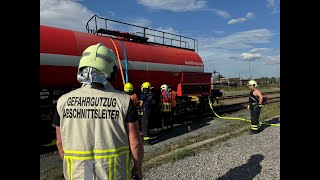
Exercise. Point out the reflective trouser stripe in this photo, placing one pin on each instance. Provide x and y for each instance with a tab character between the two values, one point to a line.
70	167
110	154
166	107
110	167
115	168
110	157
254	127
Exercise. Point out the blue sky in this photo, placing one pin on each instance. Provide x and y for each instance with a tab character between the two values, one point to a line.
232	35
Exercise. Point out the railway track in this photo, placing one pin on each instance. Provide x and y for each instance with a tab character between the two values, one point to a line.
246	95
230	108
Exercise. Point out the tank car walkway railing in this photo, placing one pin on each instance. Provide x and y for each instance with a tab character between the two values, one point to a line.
142	34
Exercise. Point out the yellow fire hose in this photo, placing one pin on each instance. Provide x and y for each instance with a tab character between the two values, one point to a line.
53	142
234	118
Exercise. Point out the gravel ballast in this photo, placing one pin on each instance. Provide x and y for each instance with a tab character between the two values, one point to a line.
244	157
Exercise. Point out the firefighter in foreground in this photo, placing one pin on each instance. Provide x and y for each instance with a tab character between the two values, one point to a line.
146	103
166	107
128	89
255	104
96	126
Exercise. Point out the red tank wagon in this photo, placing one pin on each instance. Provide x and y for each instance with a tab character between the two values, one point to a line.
175	63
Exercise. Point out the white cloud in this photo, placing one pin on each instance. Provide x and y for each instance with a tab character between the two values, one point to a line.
215	58
220	53
271	60
238	20
111	13
258	54
271	3
248	16
259	50
182	6
140	22
274	5
239	40
250	57
218	32
221	13
174	5
224	54
64	14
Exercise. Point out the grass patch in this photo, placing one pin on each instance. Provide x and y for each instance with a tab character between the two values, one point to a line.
270	110
183	154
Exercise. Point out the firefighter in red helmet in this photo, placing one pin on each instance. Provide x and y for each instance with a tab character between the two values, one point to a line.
166	107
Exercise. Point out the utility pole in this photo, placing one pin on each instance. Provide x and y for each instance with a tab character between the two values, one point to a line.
265	78
215	72
277	76
213	78
239	80
250	71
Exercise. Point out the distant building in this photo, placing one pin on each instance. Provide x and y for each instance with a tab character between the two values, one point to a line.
229	82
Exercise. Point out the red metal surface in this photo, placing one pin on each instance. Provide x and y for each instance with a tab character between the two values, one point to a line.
67	42
196	78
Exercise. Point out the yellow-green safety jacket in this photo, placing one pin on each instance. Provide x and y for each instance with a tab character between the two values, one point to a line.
93	133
